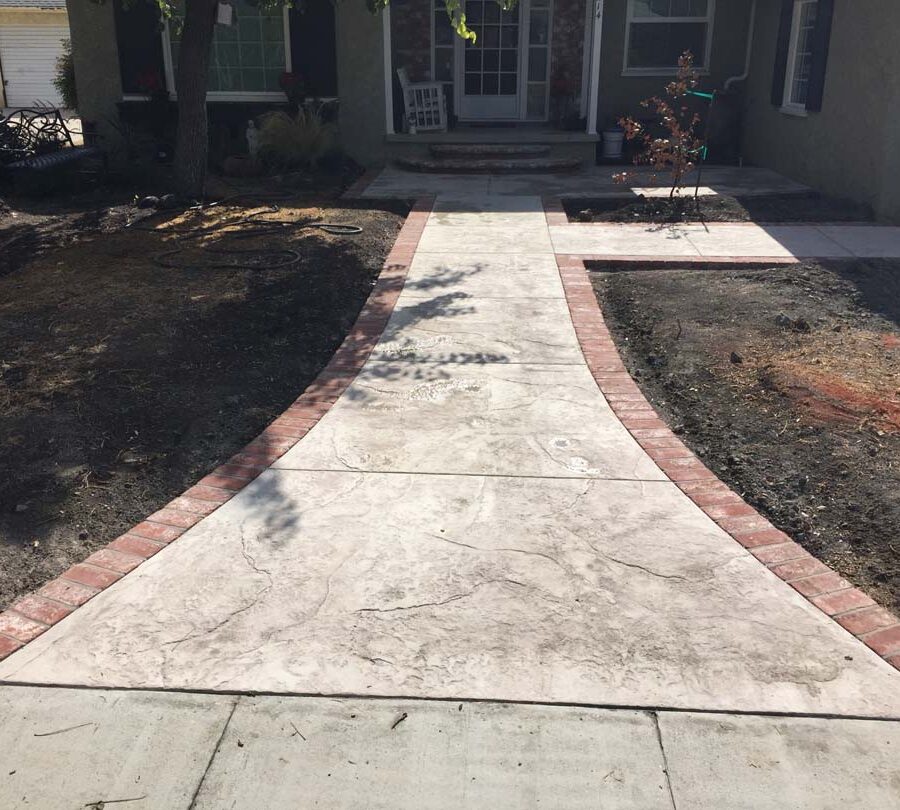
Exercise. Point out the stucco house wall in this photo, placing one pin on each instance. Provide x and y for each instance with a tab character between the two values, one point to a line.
621	95
360	65
92	29
850	147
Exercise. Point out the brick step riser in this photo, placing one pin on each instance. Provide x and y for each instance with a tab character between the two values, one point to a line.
489	151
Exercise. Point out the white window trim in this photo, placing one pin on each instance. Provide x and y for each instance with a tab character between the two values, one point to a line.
787	106
223	95
655	71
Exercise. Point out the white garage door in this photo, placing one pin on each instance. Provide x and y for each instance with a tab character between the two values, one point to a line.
28	56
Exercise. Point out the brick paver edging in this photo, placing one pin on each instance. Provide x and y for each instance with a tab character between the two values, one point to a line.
36	612
822	586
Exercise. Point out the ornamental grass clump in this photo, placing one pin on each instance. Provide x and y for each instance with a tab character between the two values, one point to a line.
294	142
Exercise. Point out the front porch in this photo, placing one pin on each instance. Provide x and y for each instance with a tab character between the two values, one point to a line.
526	81
460	149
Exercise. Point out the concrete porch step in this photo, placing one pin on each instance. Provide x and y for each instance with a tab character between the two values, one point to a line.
490	150
478	165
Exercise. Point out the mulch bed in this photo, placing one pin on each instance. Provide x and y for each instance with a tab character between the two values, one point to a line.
767	208
786	383
123	381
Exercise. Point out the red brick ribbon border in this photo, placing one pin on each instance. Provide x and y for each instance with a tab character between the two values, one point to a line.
33	614
822	586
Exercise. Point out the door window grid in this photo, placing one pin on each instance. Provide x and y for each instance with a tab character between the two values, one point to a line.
534	66
491	66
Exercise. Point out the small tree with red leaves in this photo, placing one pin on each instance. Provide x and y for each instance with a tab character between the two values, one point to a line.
678	152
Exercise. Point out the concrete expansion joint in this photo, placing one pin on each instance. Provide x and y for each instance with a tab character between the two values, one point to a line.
214	753
665	758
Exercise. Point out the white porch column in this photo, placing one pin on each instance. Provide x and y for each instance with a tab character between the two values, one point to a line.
594	76
388	72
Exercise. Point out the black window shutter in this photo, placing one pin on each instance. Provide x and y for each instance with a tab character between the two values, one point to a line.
781	51
821	37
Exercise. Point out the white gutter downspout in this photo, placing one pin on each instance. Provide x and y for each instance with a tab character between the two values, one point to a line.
595	68
750	29
388	73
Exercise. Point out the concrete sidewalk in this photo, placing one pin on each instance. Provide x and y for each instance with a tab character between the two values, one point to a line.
470	521
62	749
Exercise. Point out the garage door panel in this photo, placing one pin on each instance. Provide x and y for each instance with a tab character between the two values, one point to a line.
28	54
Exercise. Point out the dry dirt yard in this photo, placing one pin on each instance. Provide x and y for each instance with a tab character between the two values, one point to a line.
786	382
128	371
763	208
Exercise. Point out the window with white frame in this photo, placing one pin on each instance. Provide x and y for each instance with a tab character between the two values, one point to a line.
659	31
248	57
800	55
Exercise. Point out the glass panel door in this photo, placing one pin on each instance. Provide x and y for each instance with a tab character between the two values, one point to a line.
539	24
490	65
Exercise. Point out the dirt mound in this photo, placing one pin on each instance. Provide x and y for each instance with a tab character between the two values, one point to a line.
833	400
850	377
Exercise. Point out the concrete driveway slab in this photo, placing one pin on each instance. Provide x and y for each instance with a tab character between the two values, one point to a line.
442	756
547	590
476	417
69	748
772	763
484	276
451	327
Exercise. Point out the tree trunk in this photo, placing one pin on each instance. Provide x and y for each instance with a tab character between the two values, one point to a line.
192	139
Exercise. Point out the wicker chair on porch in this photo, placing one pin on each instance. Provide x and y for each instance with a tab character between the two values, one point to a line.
425	105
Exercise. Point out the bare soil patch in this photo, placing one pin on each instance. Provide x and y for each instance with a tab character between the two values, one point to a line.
766	208
127	374
785	382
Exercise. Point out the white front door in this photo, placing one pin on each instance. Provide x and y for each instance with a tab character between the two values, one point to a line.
488	71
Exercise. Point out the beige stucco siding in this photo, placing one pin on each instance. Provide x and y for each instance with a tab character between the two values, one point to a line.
621	95
93	32
850	147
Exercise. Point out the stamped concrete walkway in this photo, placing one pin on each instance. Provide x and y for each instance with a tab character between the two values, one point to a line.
727	240
470	521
